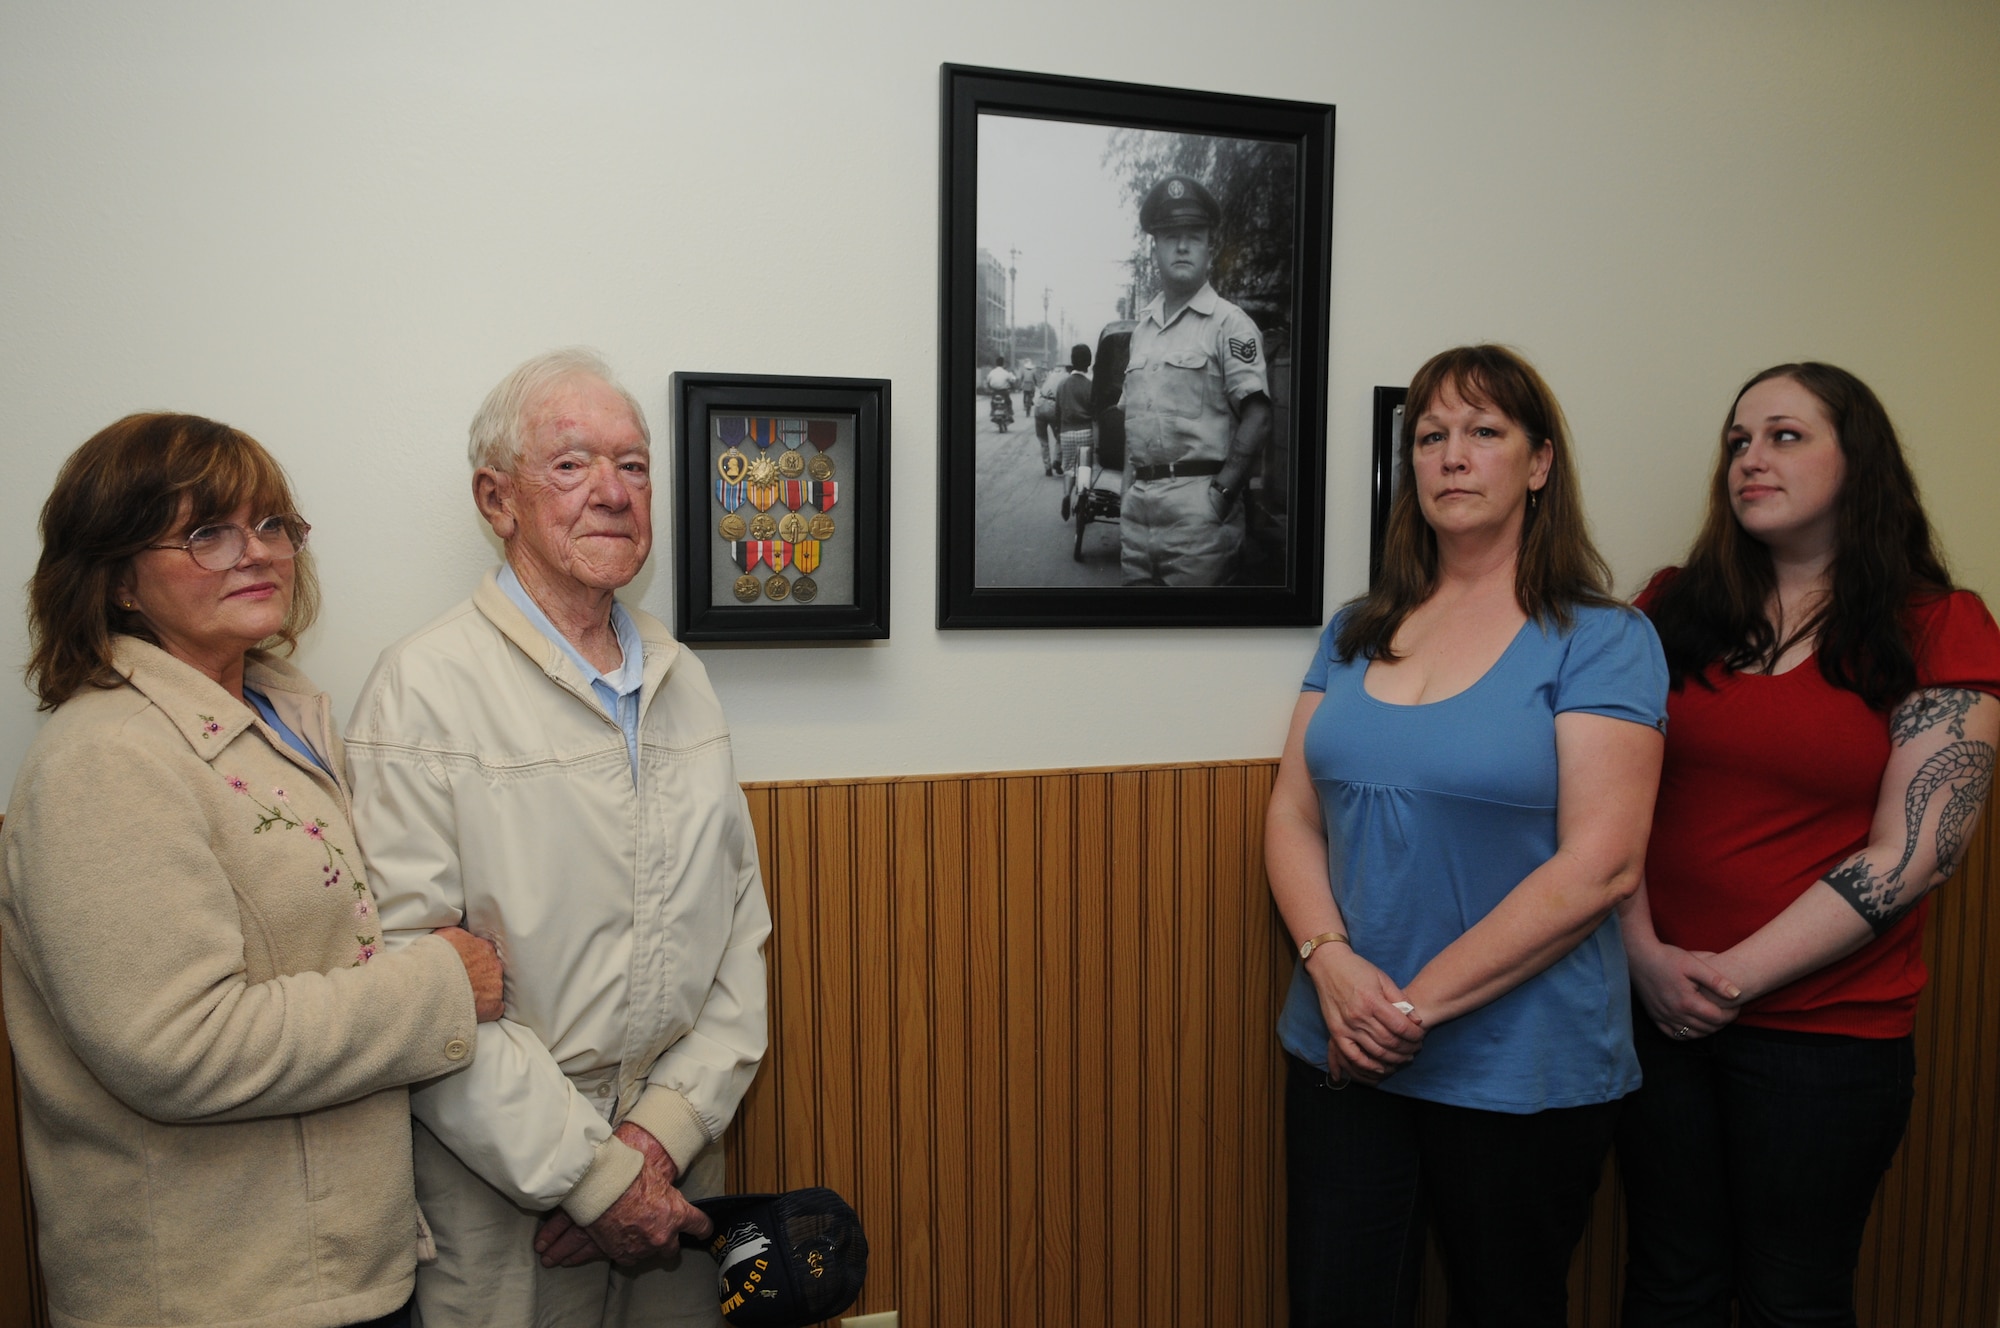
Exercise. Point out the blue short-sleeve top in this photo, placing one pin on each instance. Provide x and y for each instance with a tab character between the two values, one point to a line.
1434	813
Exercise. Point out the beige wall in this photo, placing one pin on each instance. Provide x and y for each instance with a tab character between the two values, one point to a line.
336	225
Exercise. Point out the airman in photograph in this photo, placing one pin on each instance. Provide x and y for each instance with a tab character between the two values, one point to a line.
1196	401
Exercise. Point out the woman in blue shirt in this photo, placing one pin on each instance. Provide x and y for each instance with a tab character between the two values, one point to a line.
1464	798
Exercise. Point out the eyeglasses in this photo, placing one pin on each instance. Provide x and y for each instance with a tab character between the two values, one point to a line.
220	546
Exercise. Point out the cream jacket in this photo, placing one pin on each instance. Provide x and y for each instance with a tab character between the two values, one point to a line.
492	789
210	1051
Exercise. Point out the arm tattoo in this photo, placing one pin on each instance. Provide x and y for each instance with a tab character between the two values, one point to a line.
1873	897
1929	707
1964	772
1964	805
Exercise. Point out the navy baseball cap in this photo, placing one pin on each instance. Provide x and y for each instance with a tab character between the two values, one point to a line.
785	1260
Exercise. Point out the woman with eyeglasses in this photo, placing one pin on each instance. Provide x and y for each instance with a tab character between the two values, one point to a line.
212	1053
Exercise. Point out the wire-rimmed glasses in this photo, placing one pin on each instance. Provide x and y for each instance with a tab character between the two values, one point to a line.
219	545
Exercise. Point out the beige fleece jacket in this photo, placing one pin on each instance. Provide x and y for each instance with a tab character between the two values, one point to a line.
211	1049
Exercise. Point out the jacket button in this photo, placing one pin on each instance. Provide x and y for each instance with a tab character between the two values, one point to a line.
454	1050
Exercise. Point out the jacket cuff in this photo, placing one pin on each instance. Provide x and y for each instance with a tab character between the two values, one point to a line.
611	1173
458	1016
671	1119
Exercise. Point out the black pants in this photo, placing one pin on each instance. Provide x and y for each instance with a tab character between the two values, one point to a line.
1750	1161
1367	1171
393	1319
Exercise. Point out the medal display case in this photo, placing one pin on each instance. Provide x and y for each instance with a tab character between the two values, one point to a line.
781	508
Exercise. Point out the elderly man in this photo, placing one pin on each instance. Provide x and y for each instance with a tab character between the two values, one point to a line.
552	771
1197	407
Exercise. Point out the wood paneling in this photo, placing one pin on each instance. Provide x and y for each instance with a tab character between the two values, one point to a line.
1054	996
1030	1033
1026	1024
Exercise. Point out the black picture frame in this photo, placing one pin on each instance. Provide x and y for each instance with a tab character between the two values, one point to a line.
1382	493
1279	580
853	413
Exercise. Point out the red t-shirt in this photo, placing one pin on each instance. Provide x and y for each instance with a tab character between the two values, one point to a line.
1770	782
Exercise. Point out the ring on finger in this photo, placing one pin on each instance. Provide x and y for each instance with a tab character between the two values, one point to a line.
1683	1032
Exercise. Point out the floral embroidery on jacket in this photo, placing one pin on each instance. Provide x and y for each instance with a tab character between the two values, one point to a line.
279	815
208	724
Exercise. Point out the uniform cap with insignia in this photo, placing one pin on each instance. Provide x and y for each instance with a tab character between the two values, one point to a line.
785	1260
1178	200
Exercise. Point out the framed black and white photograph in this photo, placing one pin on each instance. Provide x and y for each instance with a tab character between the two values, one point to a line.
1132	361
1382	488
781	508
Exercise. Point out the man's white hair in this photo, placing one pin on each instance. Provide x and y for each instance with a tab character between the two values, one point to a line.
500	428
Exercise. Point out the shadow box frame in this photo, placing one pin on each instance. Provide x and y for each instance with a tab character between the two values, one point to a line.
1389	403
697	399
1295	599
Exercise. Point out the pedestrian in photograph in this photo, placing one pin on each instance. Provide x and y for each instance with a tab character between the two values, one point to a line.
1045	416
1197	403
1000	383
1076	429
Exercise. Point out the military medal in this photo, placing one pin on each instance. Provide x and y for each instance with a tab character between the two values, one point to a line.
805	590
731	428
791	432
777	554
821	527
763	432
730	527
805	556
763	526
746	554
762	471
821	467
777	587
747	587
792	529
762	496
732	465
822	433
823	494
791	465
729	495
794	493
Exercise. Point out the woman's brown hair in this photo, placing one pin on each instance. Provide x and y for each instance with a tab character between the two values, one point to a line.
1558	567
1884	556
139	482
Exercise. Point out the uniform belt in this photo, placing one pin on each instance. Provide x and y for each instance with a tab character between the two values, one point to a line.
1177	470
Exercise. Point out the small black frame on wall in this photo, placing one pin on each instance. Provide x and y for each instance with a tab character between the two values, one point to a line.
1044	258
1388	431
781	508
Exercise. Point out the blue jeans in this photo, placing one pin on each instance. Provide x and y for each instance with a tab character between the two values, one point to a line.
1750	1161
1367	1171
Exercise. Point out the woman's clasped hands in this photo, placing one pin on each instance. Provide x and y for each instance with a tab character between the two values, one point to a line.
1368	1036
1683	992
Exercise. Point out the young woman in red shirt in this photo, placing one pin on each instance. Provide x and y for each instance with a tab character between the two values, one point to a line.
1830	742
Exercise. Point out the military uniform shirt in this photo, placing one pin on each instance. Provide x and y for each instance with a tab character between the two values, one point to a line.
1186	377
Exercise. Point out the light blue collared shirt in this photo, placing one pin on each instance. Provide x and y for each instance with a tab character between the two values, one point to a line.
617	691
263	706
